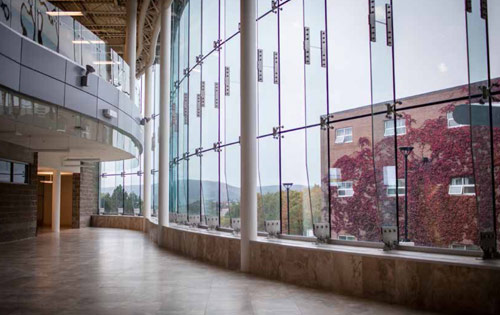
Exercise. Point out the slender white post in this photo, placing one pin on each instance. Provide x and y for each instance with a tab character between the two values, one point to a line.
148	133
131	43
248	81
56	201
164	117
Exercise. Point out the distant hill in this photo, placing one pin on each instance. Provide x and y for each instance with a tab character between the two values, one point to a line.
210	190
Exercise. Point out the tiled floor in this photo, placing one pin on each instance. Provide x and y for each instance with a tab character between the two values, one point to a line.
111	271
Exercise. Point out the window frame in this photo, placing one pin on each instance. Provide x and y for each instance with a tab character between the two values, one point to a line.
391	127
400	190
461	186
12	164
340	188
451	119
343	136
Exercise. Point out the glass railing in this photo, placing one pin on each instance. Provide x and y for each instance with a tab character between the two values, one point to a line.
21	110
47	25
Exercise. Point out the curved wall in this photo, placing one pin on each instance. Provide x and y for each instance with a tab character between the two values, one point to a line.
38	72
428	281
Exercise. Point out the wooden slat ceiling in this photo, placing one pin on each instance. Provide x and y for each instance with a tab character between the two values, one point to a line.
105	18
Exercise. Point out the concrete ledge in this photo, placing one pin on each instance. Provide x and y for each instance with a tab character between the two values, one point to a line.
445	283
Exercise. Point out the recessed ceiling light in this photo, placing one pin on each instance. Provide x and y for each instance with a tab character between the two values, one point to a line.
64	13
104	62
80	42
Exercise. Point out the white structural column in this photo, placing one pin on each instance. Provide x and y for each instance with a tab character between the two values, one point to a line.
163	137
248	49
56	201
131	43
148	133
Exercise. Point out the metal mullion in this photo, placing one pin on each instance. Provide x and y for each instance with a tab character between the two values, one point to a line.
394	117
178	111
201	107
328	126
492	148
188	88
123	183
279	122
218	110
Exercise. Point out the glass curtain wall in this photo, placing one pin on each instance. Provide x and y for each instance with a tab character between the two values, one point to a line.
361	125
121	188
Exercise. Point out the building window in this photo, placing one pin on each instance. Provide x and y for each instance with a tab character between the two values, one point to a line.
13	172
462	186
343	135
335	177
451	122
5	171
400	127
345	189
347	238
391	189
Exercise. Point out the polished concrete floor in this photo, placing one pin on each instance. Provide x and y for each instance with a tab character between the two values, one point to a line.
111	271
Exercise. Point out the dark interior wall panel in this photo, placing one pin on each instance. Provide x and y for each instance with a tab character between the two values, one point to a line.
74	73
10	43
125	103
9	73
107	92
41	86
102	105
43	60
80	101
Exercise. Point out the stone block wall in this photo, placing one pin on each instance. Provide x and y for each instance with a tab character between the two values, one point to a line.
118	222
75	222
18	202
89	192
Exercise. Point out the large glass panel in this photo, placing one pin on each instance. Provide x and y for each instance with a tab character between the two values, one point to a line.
210	183
6	12
494	40
231	20
209	106
47	25
291	65
229	184
430	42
441	207
132	193
230	91
45	116
268	185
494	45
348	55
267	88
210	25
302	197
24	18
316	60
383	120
111	201
350	178
480	113
183	187
69	122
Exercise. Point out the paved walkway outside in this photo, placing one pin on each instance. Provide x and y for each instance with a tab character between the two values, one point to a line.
111	271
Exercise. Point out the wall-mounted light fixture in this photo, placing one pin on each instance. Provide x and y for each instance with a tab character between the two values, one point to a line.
84	79
109	113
